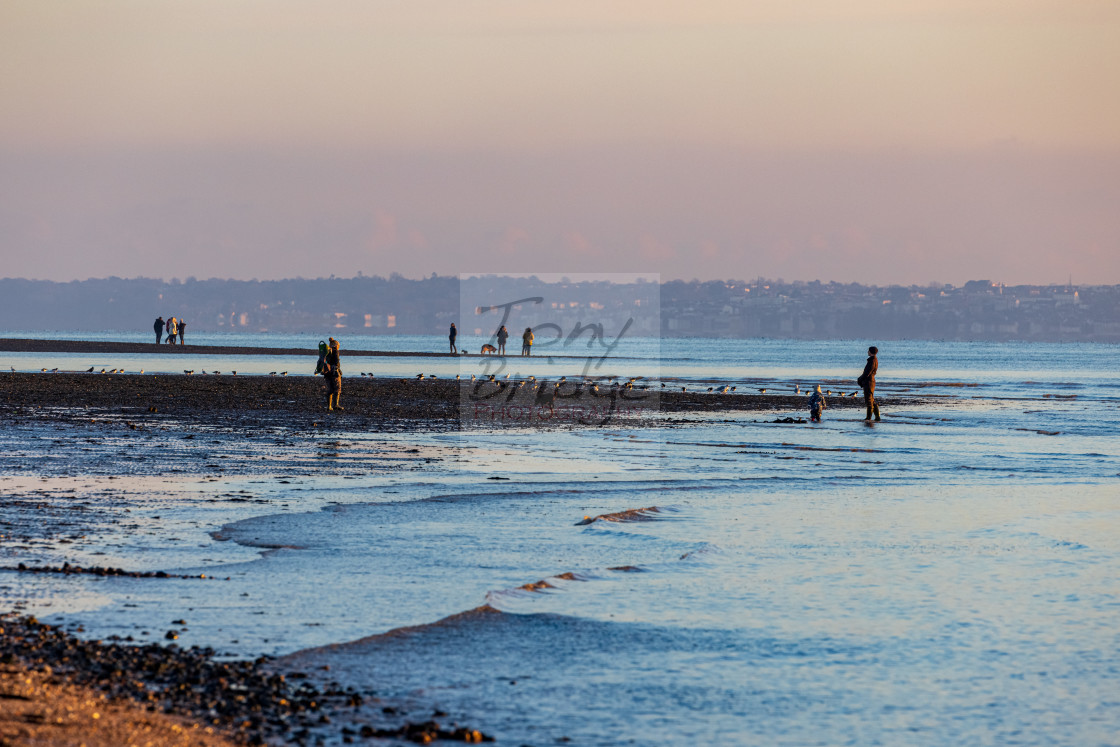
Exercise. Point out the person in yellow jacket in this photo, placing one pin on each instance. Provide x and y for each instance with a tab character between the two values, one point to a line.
527	341
332	370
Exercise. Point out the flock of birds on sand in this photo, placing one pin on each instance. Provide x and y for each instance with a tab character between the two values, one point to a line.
530	381
614	382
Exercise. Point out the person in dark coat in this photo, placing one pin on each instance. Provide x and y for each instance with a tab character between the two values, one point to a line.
503	335
182	330
451	335
867	381
332	370
817	403
158	327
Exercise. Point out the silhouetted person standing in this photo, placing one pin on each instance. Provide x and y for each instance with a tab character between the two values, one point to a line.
451	335
182	330
527	341
172	330
332	370
867	381
158	327
503	335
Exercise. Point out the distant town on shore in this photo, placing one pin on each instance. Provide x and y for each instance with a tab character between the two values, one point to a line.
977	310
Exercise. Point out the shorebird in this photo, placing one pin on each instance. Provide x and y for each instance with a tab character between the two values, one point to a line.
507	376
732	388
141	370
828	392
215	372
234	373
43	370
762	391
491	377
682	388
103	370
457	377
54	370
420	376
711	388
88	370
531	378
204	372
271	373
282	373
188	373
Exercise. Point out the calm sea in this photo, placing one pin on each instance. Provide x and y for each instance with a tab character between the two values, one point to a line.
948	576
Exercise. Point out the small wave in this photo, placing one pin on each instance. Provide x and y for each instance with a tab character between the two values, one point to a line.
225	535
650	513
955	384
699	552
547	583
822	448
484	612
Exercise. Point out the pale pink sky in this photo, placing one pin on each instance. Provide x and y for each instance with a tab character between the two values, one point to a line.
882	141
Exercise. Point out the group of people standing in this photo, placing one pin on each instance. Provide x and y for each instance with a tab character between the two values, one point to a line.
175	328
502	336
866	381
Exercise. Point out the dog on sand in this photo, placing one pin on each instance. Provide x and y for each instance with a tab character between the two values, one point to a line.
488	350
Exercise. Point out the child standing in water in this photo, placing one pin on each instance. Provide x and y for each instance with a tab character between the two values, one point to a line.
817	404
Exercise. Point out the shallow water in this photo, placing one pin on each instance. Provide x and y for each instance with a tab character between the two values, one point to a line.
948	575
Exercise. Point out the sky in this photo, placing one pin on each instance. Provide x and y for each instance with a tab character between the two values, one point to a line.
876	141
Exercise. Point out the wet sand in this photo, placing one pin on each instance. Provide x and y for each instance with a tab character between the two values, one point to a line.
39	708
299	401
19	345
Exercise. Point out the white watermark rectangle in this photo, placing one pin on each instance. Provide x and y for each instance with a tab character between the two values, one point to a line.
548	350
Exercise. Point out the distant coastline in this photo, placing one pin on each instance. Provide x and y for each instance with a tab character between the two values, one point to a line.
979	310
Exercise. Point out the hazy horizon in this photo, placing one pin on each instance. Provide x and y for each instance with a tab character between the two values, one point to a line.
882	143
1060	282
